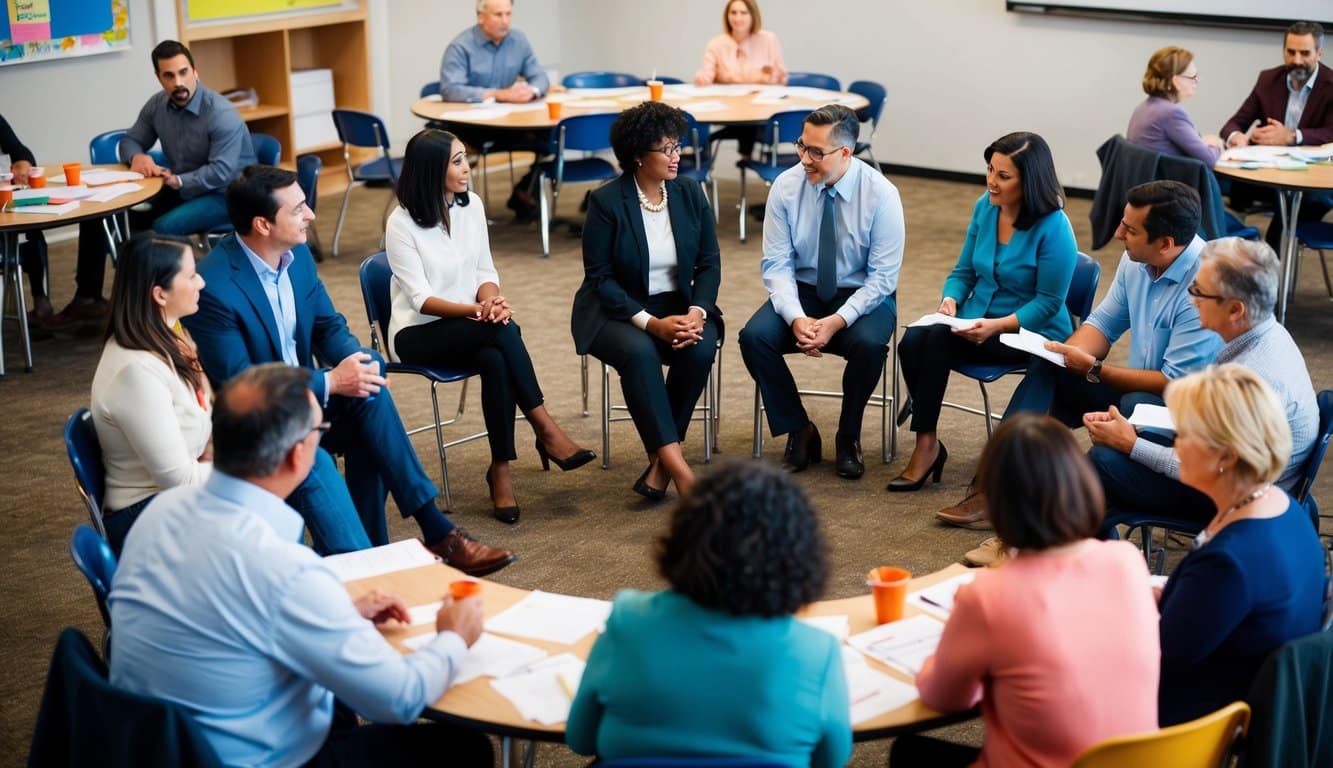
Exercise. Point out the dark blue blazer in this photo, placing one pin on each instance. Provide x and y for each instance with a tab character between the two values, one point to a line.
235	328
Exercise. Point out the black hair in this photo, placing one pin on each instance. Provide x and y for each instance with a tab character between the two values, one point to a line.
259	416
1173	209
421	181
1031	155
146	260
170	49
1303	28
638	128
252	194
846	126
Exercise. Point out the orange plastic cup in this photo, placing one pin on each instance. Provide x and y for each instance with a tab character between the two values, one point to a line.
72	171
37	178
464	588
888	585
6	196
554	109
655	90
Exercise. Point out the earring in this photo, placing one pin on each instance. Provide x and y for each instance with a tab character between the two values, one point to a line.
1221	469
640	163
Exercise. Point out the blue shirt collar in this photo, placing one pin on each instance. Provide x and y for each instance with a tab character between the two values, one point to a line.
261	267
1309	83
1184	263
269	508
481	38
842	188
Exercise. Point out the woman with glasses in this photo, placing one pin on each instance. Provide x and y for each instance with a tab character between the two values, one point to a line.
448	311
649	294
743	53
1160	123
1013	272
1256	576
151	403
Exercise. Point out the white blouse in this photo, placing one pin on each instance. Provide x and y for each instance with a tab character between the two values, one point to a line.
662	262
430	262
151	424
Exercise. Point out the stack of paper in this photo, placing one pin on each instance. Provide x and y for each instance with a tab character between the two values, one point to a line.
555	618
939	318
96	177
904	645
544	691
937	599
871	692
1033	344
490	656
51	210
1149	416
109	192
399	556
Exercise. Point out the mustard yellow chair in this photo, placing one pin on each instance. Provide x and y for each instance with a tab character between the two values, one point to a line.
1204	743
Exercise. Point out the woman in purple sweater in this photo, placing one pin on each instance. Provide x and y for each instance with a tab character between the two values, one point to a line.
1160	123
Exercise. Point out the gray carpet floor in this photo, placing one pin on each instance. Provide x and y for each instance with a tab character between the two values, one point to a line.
582	532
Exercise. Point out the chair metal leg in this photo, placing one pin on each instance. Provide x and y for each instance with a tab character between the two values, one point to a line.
13	279
758	424
439	445
985	407
1328	286
606	416
717	395
742	206
583	372
709	395
485	181
342	213
717	209
545	216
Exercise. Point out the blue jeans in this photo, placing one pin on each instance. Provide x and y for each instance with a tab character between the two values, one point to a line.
1134	487
323	502
168	214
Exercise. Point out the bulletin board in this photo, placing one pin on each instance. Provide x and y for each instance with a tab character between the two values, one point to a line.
214	10
36	30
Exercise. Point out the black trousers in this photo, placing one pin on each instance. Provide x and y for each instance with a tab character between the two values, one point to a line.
496	352
915	750
661	410
427	745
928	354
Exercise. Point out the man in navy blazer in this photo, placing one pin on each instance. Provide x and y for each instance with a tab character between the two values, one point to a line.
263	302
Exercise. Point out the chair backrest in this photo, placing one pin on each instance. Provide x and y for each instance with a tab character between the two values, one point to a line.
783	128
430	89
697	138
874	93
813	80
104	149
268	150
601	80
375	275
85	456
664	80
1311	469
1292	700
1203	743
93	557
362	129
1083	286
84	720
307	176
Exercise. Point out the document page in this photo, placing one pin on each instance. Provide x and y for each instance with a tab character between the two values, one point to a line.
904	645
490	656
543	691
937	599
872	693
556	618
1033	344
939	318
1148	416
398	556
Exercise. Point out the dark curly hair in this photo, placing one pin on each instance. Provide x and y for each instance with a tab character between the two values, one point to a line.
634	132
746	542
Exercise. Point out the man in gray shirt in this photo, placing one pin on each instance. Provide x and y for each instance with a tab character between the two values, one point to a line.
205	141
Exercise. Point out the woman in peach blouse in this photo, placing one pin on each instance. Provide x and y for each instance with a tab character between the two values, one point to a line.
743	53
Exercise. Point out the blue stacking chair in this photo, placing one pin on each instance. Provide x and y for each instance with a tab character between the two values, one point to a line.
1082	289
375	275
697	164
85	456
813	80
92	556
664	80
875	94
307	177
784	128
366	131
104	149
600	80
1316	236
582	133
430	89
268	151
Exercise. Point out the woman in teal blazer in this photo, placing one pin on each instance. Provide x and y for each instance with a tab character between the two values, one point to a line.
1013	272
717	665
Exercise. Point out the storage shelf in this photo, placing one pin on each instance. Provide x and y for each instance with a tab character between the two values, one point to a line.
250	114
215	30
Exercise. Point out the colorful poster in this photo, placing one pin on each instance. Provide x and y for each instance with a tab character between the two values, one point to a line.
207	10
29	20
33	30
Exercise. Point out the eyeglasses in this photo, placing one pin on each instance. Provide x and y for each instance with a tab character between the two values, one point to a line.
815	153
667	149
321	428
1197	292
1194	77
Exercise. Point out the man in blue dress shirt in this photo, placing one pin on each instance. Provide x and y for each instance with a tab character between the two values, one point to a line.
833	243
219	609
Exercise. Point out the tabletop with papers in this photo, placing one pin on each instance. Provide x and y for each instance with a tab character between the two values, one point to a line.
101	190
520	677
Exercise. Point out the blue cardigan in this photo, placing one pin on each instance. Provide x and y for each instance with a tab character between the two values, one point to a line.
1229	604
1029	277
671	678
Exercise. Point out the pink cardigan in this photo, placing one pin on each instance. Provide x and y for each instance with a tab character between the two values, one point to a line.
1061	650
726	61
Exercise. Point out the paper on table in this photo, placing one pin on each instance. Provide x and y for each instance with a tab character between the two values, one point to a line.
939	318
95	177
433	97
472	114
490	656
539	692
69	193
109	192
1033	344
839	626
937	599
1255	153
546	616
703	106
607	93
592	103
871	692
1317	154
904	645
398	556
424	614
769	98
1148	416
728	89
52	210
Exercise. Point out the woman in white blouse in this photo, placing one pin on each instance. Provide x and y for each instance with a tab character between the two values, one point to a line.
150	398
448	311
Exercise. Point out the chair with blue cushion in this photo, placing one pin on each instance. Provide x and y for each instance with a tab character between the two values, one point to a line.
582	133
431	88
1315	236
307	177
1082	289
813	80
104	149
93	557
85	456
783	128
600	80
375	275
696	159
268	151
875	94
364	131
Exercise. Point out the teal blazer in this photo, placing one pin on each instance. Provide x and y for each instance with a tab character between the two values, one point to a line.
1029	278
671	678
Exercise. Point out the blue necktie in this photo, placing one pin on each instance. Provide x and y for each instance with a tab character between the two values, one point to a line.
826	282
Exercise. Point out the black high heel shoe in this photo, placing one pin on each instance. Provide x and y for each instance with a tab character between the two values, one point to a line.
642	487
507	515
901	483
579	458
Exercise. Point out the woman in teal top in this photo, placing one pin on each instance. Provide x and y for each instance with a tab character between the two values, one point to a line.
1013	272
717	666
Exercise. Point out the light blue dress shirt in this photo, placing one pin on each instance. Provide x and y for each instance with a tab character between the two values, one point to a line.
1166	333
219	609
277	285
474	64
870	231
1296	100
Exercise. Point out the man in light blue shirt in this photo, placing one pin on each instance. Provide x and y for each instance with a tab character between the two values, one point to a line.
833	244
218	608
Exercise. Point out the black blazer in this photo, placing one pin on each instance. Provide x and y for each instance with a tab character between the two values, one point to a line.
615	256
1269	99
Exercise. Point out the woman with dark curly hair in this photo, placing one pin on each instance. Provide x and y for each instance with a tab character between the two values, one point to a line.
649	295
717	665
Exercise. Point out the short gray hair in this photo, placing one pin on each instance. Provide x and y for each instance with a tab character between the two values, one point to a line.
481	5
259	416
846	127
1246	270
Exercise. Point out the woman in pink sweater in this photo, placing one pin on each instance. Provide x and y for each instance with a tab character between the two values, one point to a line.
1059	645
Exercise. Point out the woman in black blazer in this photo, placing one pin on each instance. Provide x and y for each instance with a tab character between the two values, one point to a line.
649	294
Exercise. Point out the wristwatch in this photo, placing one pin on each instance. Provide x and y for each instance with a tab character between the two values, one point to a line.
1094	373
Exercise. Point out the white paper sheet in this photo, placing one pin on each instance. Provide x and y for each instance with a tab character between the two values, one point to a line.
593	104
97	177
70	193
490	656
703	106
937	599
472	114
1149	416
605	93
1033	344
542	692
839	626
52	210
556	618
871	692
939	318
904	645
398	556
109	192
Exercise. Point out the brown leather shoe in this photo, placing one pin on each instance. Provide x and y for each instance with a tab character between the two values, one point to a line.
968	513
469	555
988	554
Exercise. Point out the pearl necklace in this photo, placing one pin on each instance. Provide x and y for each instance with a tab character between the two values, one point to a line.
650	207
1253	496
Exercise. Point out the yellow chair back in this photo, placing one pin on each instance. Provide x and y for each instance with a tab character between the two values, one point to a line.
1203	743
